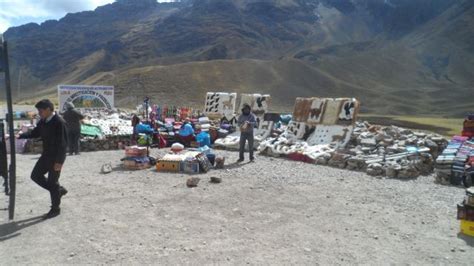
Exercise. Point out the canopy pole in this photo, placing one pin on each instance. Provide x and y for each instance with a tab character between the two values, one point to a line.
12	168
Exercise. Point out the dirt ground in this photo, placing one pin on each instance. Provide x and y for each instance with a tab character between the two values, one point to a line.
273	211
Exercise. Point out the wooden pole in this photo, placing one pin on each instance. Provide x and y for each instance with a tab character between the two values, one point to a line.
12	168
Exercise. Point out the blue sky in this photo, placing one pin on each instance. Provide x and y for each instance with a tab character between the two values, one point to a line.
19	12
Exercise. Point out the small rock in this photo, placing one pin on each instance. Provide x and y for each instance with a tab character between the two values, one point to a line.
106	168
193	182
216	180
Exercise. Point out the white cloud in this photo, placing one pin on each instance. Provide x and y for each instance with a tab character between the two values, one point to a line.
18	12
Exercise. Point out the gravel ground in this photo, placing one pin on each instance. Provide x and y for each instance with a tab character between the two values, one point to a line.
273	211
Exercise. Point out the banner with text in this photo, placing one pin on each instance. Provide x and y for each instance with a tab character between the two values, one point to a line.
86	97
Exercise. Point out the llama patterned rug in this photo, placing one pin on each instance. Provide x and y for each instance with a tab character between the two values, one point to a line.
221	104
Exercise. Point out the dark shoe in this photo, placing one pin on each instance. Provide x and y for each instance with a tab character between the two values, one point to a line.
252	160
240	160
62	191
53	213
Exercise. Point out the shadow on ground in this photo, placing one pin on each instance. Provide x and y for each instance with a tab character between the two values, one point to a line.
468	239
12	229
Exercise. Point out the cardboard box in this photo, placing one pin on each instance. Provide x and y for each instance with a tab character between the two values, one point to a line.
168	166
190	167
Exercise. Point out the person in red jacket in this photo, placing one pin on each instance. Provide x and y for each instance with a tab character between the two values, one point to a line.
52	130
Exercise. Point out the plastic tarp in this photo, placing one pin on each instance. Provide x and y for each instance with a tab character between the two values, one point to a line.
90	130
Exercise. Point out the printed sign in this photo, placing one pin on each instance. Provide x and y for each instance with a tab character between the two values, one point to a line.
86	97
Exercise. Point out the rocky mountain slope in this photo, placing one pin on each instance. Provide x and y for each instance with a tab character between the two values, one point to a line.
397	56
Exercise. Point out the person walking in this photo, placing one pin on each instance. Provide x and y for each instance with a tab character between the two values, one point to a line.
52	130
73	122
246	122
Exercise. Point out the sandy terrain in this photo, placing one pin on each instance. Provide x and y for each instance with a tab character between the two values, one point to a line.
273	211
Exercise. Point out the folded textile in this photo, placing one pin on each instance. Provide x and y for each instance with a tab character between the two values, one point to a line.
445	160
450	151
460	138
137	159
454	145
468	134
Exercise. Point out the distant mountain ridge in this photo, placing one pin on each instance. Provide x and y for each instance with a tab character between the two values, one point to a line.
397	56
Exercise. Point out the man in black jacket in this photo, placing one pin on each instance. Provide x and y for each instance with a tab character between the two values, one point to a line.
73	120
52	130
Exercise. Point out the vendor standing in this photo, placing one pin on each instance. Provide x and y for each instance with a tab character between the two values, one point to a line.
52	130
73	121
246	122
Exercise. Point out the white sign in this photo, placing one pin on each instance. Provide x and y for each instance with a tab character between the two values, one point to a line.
86	97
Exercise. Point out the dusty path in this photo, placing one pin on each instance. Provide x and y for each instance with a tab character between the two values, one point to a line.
271	212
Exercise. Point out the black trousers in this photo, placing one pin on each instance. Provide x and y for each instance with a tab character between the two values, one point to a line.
43	166
246	137
73	141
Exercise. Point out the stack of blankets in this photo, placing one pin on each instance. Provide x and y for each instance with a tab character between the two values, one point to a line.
449	161
468	129
453	163
136	158
469	168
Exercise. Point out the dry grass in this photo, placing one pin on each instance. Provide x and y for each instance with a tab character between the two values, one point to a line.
444	126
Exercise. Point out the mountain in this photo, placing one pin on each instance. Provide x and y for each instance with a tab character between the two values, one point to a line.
397	56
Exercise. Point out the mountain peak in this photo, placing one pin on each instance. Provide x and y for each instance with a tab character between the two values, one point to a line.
364	47
136	2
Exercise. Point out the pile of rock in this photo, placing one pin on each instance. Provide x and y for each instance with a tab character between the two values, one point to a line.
87	144
110	143
380	151
34	146
392	151
377	140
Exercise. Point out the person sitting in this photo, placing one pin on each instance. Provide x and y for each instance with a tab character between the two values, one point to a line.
186	133
204	138
135	123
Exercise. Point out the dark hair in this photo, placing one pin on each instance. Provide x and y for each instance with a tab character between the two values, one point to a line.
45	104
246	106
135	120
